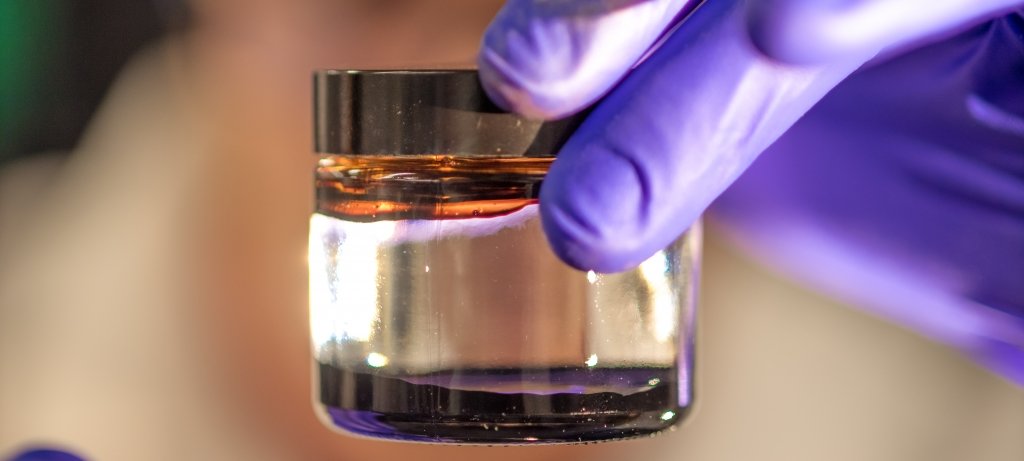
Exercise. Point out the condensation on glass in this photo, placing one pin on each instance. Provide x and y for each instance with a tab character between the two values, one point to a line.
437	311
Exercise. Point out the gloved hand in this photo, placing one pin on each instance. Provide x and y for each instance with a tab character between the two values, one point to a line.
903	191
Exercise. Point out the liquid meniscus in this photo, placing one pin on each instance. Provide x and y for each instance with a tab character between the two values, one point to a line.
373	188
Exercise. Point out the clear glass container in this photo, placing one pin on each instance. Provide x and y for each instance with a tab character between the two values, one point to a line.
439	313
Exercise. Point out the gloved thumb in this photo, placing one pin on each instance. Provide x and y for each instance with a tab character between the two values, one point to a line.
671	137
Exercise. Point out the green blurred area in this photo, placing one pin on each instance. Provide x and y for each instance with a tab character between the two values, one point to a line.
30	37
58	58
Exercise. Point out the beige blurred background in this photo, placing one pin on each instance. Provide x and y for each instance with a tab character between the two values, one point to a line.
153	284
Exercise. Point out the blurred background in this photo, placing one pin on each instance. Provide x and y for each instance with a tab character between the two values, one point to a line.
155	186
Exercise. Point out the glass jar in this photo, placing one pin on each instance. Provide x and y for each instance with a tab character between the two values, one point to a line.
439	313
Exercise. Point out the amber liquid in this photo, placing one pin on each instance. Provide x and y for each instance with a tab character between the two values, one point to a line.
369	188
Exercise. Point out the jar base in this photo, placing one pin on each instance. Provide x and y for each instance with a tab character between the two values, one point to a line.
502	406
567	429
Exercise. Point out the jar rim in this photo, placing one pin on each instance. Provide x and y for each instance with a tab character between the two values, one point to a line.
423	111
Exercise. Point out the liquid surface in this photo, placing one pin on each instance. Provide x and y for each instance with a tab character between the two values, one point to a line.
368	188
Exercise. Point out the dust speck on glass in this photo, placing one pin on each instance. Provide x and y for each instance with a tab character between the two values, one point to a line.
437	311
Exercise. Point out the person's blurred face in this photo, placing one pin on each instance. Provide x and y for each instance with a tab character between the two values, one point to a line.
351	33
257	56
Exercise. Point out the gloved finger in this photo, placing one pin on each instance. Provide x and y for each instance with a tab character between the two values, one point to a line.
807	31
550	58
671	137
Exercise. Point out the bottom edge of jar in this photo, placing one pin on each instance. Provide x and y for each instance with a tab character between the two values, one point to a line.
537	430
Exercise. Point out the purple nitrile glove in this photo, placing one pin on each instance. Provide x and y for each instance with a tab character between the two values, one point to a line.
902	191
44	454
